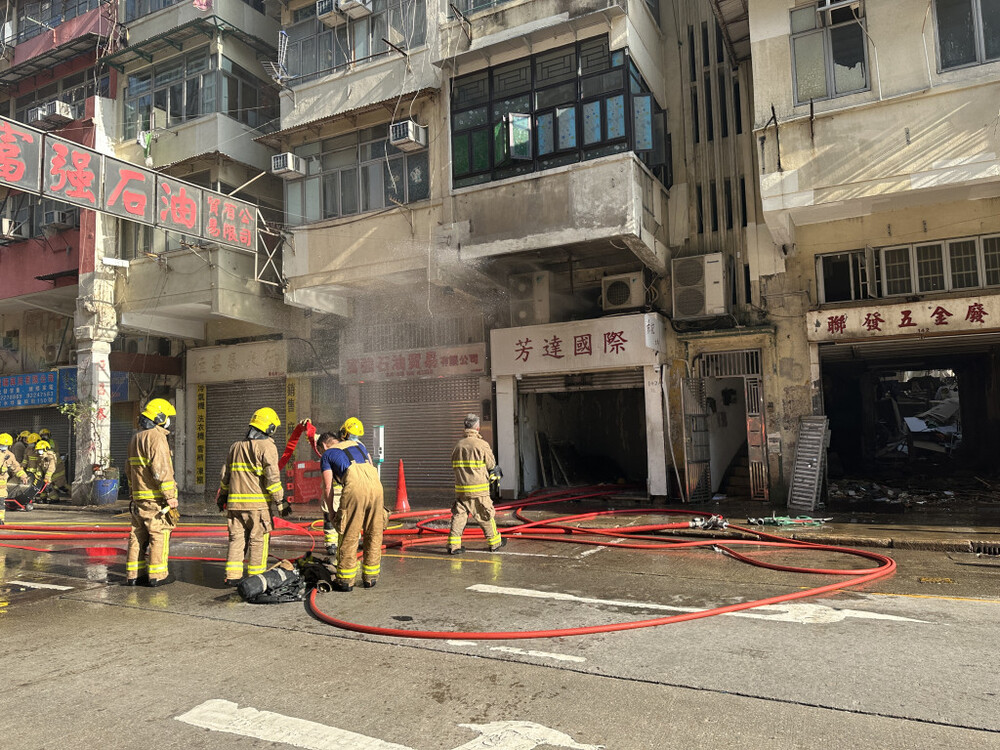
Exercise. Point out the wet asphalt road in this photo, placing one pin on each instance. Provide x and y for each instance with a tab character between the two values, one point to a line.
906	662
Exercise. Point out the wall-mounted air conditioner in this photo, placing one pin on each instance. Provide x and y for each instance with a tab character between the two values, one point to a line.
700	286
9	35
288	165
529	298
37	114
826	7
623	291
326	11
58	219
355	8
408	135
59	113
12	229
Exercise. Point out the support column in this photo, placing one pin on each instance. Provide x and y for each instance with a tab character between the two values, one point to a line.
656	449
506	437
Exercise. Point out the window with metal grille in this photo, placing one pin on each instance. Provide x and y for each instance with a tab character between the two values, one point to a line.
930	268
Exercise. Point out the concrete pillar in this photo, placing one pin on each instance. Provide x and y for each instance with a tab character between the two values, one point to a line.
506	436
656	449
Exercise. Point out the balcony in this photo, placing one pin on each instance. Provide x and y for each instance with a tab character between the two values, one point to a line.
178	293
585	205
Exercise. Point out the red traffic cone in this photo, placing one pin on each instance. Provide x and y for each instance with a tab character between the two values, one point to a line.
402	501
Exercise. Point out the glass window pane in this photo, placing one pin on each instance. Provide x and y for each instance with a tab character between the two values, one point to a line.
555	67
546	136
991	27
897	271
964	264
566	127
643	122
501	143
193	103
349	191
512	79
803	19
418	177
516	104
360	33
555	95
372	195
313	188
594	55
415	22
591	123
460	154
956	33
810	68
394	178
293	201
331	195
469	119
930	269
480	150
520	136
380	28
345	157
615	116
470	90
175	111
847	45
603	84
991	258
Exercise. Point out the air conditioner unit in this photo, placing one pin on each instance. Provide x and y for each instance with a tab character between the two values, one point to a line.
39	113
9	35
408	135
623	291
12	229
58	219
59	113
355	8
326	11
826	7
288	165
700	286
529	298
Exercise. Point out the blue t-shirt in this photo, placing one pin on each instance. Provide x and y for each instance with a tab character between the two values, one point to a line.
339	459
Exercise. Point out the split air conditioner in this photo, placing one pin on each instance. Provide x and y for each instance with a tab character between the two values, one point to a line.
326	11
288	165
623	291
529	298
12	229
355	8
58	219
699	286
408	135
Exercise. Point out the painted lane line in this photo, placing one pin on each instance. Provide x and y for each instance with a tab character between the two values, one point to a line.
31	585
539	654
226	716
585	553
799	612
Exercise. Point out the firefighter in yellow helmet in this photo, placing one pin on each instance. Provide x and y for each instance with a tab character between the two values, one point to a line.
250	480
40	466
9	467
154	497
361	510
21	446
473	463
330	500
58	482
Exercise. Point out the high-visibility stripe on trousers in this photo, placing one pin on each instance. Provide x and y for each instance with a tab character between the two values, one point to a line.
249	532
480	508
149	537
361	511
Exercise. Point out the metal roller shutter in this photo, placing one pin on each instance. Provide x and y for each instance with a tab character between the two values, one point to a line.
228	409
15	420
423	421
585	381
122	428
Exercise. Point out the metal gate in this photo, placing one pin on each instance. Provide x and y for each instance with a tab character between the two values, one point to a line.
584	381
228	408
423	421
697	448
756	438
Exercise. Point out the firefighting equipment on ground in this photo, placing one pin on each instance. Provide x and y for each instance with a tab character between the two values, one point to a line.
472	461
150	474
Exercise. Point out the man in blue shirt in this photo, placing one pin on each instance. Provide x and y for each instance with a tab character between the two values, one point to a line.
347	462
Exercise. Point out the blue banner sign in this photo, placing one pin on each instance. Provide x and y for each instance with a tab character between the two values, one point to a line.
67	386
28	389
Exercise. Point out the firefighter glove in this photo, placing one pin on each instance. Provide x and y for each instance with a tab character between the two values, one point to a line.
173	516
220	501
284	508
496	474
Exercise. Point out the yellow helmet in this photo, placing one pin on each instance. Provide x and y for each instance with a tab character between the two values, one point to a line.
42	445
158	411
266	420
6	439
352	428
23	434
45	432
34	437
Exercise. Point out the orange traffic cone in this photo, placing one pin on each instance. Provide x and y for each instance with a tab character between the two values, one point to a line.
402	501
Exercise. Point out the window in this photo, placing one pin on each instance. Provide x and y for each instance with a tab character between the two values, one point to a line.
35	17
74	89
138	8
966	263
968	32
847	276
829	52
555	108
315	49
355	173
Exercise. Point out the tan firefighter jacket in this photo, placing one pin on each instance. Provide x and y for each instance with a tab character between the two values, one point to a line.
150	466
9	467
472	460
250	477
42	467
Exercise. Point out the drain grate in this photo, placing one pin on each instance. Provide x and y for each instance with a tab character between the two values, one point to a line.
986	548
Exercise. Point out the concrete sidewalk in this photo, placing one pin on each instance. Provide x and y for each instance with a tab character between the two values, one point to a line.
974	530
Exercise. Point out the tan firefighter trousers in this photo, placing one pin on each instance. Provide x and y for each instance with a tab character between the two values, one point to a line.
249	533
361	510
150	533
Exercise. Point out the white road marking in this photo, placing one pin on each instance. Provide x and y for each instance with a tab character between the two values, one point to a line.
32	585
589	552
539	654
226	716
517	554
800	612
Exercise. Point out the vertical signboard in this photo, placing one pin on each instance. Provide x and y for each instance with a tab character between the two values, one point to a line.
200	424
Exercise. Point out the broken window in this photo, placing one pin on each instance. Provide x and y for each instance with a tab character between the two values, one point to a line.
829	51
847	276
968	32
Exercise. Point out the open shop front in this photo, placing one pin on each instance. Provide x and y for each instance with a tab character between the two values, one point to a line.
580	403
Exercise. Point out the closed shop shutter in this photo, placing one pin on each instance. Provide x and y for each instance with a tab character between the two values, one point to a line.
15	420
423	421
228	409
584	381
122	428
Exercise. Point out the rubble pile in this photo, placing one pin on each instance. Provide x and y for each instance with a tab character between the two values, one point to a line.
913	493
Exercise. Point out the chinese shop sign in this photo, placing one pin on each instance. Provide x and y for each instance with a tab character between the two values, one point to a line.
578	346
53	167
29	389
926	317
439	362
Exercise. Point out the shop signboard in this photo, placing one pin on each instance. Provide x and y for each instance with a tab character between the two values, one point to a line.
28	389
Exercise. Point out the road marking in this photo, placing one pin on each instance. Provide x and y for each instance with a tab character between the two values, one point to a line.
935	596
799	612
440	558
39	585
521	651
226	716
588	552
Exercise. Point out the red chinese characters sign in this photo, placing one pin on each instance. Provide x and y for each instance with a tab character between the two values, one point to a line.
909	318
230	221
20	150
178	206
416	363
71	173
128	190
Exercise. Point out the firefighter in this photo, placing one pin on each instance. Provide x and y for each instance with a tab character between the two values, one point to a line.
9	466
473	463
41	465
250	477
59	478
348	463
21	446
154	497
330	499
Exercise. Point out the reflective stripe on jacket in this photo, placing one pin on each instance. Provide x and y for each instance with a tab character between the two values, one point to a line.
250	476
471	461
150	466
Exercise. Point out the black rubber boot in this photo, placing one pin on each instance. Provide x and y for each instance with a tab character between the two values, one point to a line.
343	586
370	584
156	582
455	551
495	547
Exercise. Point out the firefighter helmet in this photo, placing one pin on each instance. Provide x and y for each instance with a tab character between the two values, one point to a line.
33	438
6	439
266	420
158	411
23	434
45	432
352	428
42	445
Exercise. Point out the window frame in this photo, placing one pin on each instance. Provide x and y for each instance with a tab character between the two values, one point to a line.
948	272
864	271
823	29
979	41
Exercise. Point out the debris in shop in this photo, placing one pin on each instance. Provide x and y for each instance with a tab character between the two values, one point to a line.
560	463
776	520
909	491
